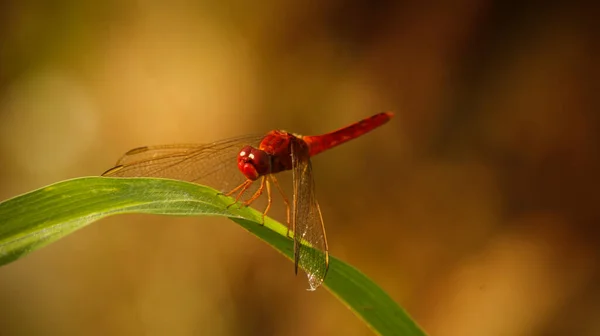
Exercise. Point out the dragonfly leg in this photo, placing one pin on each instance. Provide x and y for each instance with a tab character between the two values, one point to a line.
269	201
285	200
244	186
258	192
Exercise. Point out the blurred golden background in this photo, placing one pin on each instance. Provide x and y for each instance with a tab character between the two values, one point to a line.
476	207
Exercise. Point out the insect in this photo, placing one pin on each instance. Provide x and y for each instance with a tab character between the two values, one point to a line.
258	159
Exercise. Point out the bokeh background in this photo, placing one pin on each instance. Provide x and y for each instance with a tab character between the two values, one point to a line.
476	208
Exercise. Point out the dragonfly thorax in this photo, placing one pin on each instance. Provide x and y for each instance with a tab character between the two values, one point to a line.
253	162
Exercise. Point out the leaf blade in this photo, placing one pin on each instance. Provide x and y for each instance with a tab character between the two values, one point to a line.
38	218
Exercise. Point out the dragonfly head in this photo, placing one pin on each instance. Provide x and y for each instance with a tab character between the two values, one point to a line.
253	162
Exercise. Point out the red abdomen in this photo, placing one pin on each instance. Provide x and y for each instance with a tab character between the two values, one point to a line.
319	143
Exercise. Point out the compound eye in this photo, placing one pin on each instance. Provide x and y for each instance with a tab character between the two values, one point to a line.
260	160
246	152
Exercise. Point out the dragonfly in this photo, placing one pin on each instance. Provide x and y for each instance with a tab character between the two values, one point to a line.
258	159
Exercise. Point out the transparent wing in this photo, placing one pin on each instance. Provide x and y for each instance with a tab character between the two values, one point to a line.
310	242
213	164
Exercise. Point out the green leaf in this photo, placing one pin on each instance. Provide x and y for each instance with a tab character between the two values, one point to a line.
35	219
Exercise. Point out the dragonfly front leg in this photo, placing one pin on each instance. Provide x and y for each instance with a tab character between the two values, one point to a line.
244	186
258	193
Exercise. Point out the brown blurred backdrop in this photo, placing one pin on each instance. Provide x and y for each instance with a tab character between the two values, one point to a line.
476	208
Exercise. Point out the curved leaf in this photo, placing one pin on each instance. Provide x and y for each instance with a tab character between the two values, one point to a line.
35	219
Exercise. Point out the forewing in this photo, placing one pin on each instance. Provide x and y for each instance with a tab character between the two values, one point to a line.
213	164
310	241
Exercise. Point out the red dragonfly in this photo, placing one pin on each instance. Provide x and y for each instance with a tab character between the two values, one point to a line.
257	158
